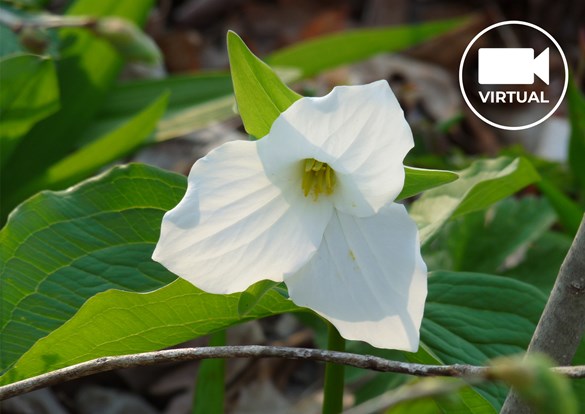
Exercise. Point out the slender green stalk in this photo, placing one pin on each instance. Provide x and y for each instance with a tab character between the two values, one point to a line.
209	390
333	390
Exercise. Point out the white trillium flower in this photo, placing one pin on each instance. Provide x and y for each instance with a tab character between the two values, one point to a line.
311	205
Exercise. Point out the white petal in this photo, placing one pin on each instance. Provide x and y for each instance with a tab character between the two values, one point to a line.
235	227
360	131
367	278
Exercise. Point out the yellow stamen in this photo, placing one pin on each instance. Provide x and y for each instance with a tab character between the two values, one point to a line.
320	183
307	183
318	177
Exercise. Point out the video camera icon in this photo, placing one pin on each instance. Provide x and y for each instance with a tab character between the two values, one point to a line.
512	66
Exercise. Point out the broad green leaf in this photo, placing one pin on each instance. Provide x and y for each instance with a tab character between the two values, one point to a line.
29	93
577	141
86	70
59	249
251	296
479	186
260	93
542	261
330	51
484	241
557	181
420	406
463	401
191	98
417	180
100	152
479	242
117	323
553	171
493	180
472	318
569	213
467	400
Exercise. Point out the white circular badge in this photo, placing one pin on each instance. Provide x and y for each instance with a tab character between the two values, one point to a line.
512	68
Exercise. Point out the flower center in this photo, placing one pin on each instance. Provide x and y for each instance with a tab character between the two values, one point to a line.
317	176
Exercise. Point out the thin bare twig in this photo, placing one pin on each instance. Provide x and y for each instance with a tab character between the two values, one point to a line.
253	351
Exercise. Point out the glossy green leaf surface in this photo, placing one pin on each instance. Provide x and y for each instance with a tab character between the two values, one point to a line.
260	94
464	401
478	186
484	241
74	237
542	261
327	52
30	92
472	317
253	295
117	323
464	313
59	249
417	180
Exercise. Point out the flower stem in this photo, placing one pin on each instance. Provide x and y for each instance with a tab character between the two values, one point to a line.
333	390
209	388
